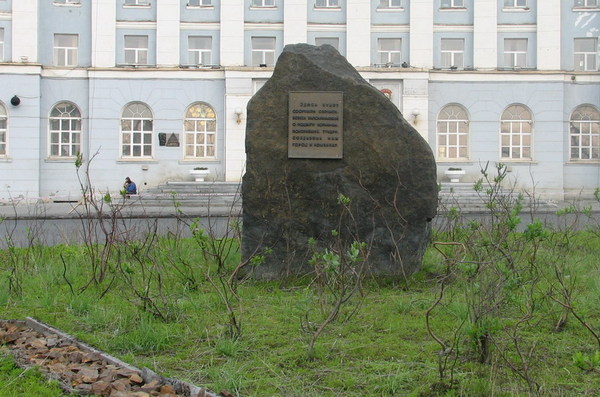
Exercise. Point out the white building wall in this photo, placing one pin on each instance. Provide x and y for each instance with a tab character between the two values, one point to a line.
24	31
421	34
485	32
232	32
167	32
415	102
358	32
295	24
416	89
20	169
238	91
548	35
103	33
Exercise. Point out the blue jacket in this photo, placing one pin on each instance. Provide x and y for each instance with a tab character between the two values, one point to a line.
131	188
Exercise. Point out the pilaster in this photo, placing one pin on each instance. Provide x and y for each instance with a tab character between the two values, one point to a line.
167	32
103	33
25	31
548	35
358	32
485	34
232	32
294	21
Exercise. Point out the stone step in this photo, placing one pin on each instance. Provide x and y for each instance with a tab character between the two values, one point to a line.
197	187
168	200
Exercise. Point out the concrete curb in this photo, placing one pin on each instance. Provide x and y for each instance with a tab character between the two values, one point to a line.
181	387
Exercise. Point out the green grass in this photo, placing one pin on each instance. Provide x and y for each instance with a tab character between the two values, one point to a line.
19	382
383	350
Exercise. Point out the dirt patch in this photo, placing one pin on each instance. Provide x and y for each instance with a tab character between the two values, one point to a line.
83	370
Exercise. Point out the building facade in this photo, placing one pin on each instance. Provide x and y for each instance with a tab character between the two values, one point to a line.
151	89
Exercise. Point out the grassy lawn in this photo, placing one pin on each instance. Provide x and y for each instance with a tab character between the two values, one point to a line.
16	382
501	326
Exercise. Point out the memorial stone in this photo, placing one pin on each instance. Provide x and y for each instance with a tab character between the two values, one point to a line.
316	130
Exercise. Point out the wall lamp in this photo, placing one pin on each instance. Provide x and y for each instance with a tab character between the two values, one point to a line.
238	115
15	100
415	113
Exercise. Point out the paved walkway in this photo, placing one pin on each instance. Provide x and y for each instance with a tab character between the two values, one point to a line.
138	207
134	207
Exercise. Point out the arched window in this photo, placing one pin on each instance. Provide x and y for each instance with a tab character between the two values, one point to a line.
516	126
453	133
136	131
3	131
65	130
200	130
585	133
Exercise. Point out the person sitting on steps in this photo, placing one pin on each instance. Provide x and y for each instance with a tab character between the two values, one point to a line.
129	186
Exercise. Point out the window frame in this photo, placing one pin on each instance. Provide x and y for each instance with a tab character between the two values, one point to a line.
591	121
515	54
67	2
136	3
264	53
515	4
67	117
453	133
137	136
515	147
388	5
136	51
327	4
452	64
200	3
263	4
337	46
452	4
587	55
61	54
200	52
201	148
3	131
389	54
587	4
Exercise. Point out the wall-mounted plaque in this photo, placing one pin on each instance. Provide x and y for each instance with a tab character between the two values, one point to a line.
168	139
173	140
315	125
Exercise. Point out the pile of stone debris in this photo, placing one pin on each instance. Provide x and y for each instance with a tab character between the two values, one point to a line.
84	370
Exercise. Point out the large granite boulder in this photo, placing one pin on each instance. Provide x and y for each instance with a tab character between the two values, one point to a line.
387	170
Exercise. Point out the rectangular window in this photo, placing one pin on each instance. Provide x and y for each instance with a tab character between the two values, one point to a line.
1	45
453	138
200	50
332	41
65	49
515	53
587	3
327	3
515	140
136	50
389	51
515	3
390	4
586	54
200	3
263	51
452	4
453	53
263	3
137	2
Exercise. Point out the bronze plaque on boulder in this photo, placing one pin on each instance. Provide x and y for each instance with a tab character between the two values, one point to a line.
315	125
